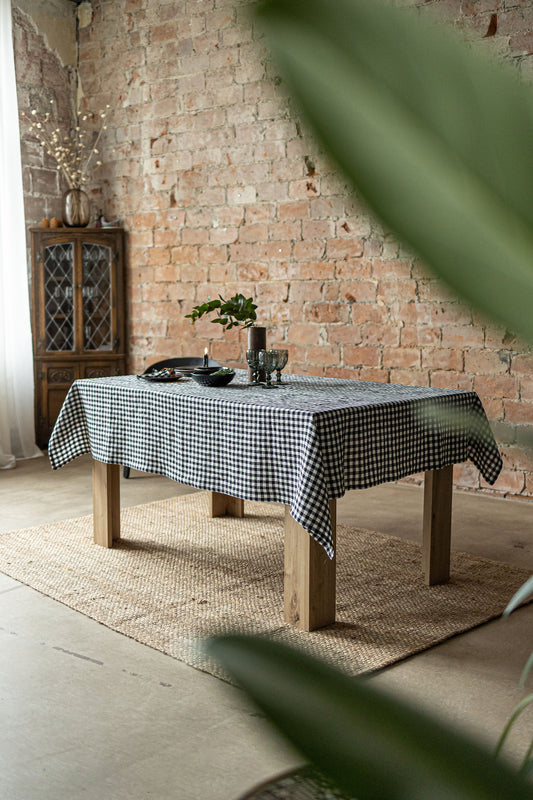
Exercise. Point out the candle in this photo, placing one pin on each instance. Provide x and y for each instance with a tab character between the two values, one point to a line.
205	357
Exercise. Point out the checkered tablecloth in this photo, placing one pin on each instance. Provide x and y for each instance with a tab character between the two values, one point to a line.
300	444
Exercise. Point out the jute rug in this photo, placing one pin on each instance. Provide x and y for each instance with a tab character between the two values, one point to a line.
178	576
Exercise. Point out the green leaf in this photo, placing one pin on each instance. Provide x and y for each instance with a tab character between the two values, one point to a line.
525	591
203	308
527	764
436	137
230	312
527	769
526	670
519	709
368	743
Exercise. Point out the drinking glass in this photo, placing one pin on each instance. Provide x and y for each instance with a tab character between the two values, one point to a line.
268	361
282	356
252	357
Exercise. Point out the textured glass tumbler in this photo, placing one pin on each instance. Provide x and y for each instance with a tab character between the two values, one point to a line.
268	361
252	357
282	356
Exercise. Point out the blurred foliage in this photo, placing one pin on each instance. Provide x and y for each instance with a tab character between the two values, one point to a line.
437	139
371	745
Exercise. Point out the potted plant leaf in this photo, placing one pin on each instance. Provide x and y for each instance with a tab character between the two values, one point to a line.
238	310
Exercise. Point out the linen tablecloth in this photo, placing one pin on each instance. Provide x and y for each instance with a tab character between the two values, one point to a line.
300	444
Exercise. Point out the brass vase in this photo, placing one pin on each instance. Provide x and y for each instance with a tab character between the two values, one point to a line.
76	209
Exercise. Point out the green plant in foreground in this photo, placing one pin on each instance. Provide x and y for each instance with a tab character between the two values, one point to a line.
437	139
521	596
371	745
238	310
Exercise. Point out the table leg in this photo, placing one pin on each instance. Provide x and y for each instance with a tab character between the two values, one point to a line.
309	576
223	505
106	503
436	538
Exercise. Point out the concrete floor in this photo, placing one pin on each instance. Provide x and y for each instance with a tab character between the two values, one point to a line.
89	713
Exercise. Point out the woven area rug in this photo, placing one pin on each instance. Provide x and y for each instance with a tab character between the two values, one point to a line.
178	576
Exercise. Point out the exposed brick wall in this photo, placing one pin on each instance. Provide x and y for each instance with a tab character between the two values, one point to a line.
41	78
222	190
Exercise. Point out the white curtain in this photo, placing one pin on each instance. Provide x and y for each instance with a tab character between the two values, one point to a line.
17	430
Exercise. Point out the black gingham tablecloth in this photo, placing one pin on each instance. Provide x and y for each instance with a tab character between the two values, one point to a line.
300	444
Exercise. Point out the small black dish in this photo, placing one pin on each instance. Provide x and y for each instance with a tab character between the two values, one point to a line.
162	375
205	379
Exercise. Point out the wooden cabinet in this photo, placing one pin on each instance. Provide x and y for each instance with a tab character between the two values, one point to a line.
77	299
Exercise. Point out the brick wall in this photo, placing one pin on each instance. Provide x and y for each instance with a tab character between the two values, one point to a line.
41	78
222	189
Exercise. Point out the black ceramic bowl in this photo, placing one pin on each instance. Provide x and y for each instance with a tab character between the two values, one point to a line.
204	379
203	370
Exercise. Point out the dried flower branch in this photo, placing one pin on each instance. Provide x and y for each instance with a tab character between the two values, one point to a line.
73	154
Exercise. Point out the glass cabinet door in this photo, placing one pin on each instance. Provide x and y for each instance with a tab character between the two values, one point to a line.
96	296
77	310
59	297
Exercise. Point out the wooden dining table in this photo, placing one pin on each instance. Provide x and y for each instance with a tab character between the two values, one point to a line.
303	443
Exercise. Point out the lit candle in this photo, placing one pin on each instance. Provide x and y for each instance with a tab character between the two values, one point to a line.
205	357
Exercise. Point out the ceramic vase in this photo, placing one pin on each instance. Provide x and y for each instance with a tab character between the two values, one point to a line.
76	210
256	341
